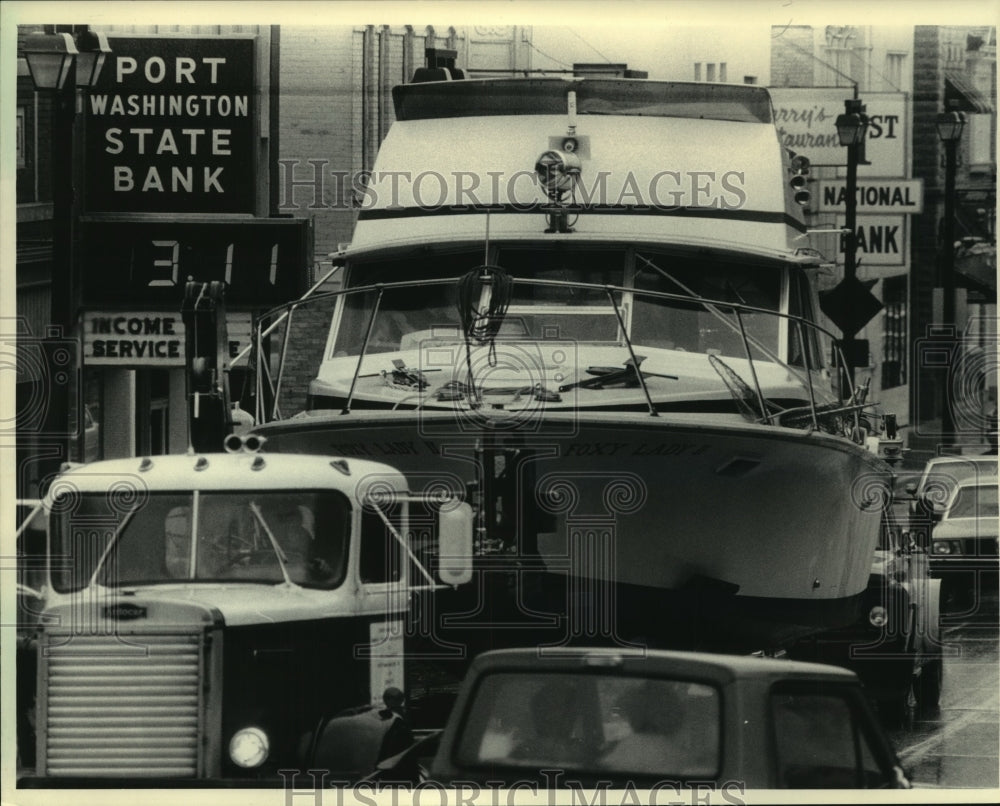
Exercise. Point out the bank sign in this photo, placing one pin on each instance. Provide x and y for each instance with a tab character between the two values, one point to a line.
170	127
904	196
881	240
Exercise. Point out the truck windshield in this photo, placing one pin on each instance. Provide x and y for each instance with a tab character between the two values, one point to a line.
202	536
607	725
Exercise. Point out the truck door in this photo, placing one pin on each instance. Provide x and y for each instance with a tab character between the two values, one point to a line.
383	576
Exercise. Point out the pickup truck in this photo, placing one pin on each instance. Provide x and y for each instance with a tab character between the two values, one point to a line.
649	719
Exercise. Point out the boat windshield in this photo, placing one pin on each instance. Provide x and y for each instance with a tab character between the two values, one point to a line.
562	306
237	536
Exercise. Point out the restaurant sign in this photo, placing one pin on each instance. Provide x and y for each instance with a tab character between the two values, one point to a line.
170	127
806	119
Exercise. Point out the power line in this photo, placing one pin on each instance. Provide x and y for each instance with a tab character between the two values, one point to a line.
854	52
546	55
585	42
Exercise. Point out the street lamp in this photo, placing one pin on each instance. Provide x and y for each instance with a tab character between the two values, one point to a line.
49	58
852	126
62	61
94	49
51	55
949	128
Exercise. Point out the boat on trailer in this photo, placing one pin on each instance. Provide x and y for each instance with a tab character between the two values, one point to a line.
588	306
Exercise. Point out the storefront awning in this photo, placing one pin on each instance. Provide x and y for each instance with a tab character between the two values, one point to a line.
961	96
976	265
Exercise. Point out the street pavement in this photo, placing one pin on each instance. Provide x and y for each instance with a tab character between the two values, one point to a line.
958	746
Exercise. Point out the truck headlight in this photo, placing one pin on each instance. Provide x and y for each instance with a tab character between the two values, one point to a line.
249	747
941	547
878	616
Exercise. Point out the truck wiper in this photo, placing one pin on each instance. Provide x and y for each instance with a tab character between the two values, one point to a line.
119	530
282	558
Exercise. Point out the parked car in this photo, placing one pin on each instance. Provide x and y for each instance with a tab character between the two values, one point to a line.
895	644
592	718
964	542
929	496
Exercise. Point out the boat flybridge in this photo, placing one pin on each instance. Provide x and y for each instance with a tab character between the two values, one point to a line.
589	306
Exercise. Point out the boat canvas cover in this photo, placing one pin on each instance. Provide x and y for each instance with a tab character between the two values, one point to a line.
650	178
547	96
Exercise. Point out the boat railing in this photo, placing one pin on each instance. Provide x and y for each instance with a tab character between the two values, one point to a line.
270	376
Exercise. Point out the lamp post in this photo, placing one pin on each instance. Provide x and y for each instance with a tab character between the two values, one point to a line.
949	128
63	61
852	126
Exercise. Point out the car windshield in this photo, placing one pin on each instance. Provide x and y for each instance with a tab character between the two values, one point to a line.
974	502
235	536
409	317
941	477
608	726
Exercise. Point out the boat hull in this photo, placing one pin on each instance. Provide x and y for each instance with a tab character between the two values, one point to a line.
625	524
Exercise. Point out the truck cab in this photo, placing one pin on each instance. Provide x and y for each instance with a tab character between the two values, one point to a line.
573	718
200	615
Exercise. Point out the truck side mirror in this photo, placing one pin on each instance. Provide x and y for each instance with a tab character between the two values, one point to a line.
455	544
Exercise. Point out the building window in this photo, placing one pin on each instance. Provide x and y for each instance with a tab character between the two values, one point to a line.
21	161
152	412
982	144
894	69
697	71
710	72
722	71
894	329
836	66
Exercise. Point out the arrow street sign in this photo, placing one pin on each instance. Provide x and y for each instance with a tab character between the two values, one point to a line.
850	305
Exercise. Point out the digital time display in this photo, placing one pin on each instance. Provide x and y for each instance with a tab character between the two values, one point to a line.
263	262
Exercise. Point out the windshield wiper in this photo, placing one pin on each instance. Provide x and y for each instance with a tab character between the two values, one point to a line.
282	558
630	376
119	530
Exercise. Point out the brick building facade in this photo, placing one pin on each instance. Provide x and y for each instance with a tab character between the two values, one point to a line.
954	69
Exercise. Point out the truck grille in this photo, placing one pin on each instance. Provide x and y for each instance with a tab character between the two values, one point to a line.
122	705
